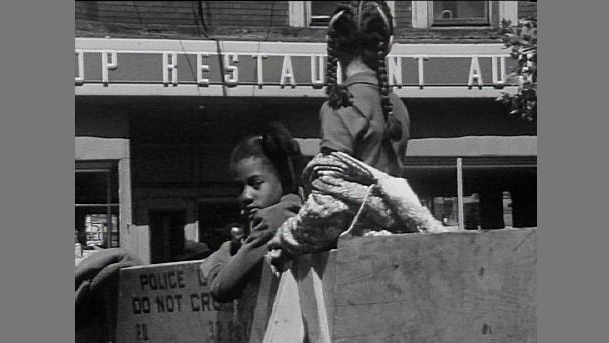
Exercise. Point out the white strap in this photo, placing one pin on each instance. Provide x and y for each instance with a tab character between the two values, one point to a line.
358	214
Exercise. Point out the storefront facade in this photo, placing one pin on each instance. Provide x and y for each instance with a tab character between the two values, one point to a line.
156	117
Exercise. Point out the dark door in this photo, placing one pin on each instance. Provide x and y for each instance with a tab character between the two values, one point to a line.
166	234
213	218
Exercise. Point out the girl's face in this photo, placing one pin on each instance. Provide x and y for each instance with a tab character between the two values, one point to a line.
260	185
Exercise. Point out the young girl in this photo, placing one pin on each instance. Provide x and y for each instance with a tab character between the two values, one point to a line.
362	121
362	117
268	168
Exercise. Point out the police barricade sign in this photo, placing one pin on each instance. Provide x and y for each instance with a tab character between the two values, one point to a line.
171	302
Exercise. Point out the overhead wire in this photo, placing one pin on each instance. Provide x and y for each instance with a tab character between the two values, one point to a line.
202	20
205	33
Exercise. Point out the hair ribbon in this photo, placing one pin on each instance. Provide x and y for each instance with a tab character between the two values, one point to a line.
385	20
335	18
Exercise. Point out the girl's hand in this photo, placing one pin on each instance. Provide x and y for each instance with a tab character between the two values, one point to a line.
279	261
264	225
259	236
266	221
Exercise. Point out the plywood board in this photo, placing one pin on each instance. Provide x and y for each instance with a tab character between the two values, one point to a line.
471	286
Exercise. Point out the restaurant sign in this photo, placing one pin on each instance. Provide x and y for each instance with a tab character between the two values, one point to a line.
181	67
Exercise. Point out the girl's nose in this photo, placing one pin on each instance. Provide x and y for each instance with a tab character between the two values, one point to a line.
247	195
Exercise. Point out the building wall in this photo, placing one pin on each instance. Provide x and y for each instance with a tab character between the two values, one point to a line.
249	20
185	13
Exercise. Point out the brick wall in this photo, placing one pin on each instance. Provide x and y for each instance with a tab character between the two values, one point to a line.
248	13
240	20
138	12
221	13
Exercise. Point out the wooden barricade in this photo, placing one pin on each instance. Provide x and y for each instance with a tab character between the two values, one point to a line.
468	286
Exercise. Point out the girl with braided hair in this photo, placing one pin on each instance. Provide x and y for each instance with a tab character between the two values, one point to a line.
362	121
267	167
362	117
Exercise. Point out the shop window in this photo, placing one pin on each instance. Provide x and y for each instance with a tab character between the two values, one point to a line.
459	14
316	13
97	205
446	210
320	12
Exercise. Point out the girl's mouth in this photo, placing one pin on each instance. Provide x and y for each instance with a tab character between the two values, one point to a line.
251	211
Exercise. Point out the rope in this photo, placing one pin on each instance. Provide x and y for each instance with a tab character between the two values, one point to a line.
359	212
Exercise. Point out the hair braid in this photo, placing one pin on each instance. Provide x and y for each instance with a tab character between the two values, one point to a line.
393	129
341	35
332	81
338	95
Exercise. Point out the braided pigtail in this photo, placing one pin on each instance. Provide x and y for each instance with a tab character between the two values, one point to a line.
393	127
340	23
376	30
338	96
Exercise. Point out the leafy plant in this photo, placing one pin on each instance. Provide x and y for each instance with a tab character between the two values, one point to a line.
521	40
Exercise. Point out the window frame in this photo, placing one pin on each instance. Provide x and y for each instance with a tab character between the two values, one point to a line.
446	22
422	15
107	168
300	14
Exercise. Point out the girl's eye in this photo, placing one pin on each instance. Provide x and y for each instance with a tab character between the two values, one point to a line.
256	183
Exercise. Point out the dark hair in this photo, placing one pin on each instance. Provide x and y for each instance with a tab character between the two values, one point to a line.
277	147
361	28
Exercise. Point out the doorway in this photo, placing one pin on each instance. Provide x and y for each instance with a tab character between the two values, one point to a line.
166	234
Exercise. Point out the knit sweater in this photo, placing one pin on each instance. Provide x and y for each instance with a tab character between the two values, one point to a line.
229	274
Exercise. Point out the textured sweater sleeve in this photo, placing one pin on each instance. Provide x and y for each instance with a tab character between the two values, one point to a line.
228	275
228	278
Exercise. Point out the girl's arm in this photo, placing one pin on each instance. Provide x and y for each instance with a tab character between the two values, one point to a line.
228	275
